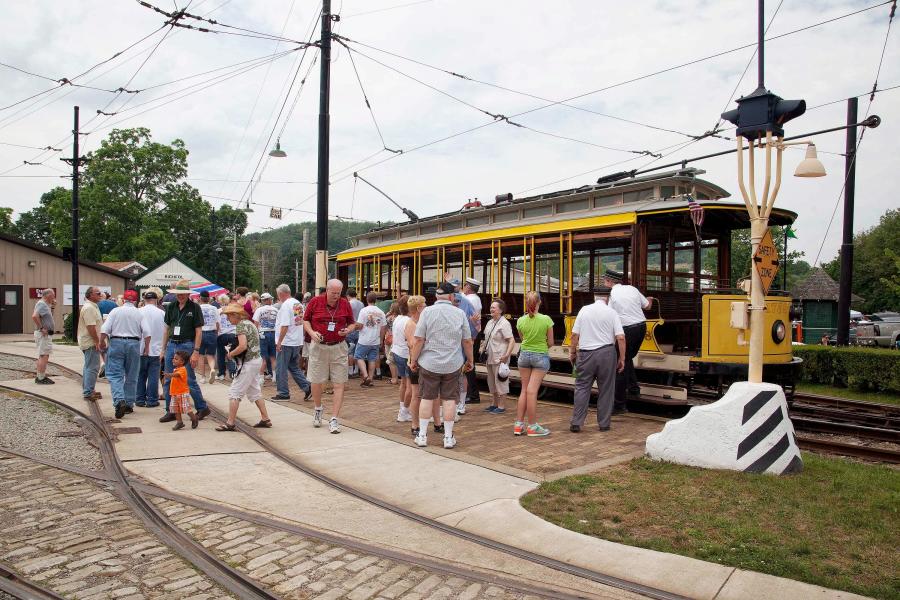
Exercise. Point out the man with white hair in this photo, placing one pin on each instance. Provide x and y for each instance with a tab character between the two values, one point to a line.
43	320
441	331
329	320
264	318
288	341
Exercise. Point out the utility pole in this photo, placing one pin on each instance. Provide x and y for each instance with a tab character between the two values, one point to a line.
305	260
322	192
233	260
262	282
843	324
296	275
76	162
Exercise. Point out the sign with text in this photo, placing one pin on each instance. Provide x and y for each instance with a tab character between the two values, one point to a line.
67	293
765	261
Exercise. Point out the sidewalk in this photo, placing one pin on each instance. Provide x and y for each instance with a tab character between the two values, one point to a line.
231	469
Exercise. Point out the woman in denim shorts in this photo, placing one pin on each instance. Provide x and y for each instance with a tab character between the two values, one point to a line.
536	331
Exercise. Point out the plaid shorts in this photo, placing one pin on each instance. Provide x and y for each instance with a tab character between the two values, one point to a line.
181	404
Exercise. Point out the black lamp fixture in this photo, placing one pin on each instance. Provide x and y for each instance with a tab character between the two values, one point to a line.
278	152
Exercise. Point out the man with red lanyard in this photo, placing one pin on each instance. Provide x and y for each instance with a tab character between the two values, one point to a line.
327	320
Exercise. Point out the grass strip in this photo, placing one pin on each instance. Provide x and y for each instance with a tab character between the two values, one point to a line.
836	524
850	394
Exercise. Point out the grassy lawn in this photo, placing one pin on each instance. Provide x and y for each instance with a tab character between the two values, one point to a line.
828	390
836	524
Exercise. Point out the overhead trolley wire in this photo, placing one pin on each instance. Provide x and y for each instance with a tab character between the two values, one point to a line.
632	80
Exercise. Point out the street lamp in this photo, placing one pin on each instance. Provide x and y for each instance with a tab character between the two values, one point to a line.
278	152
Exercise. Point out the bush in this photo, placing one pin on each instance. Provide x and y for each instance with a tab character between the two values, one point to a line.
68	333
871	369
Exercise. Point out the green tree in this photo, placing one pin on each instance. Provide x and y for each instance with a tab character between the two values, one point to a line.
798	269
892	281
36	225
6	222
871	270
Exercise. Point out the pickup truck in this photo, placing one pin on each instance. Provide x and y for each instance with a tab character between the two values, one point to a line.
881	329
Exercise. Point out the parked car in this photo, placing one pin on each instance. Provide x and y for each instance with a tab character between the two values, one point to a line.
880	329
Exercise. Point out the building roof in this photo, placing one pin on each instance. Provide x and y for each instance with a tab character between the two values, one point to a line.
58	254
820	286
122	265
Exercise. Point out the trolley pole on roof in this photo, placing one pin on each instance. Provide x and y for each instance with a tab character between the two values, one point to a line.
322	196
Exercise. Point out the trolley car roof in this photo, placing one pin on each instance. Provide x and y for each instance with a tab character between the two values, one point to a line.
620	203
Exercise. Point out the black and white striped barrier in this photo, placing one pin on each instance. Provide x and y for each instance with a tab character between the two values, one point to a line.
748	429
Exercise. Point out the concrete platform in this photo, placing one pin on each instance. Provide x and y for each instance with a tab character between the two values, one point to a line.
437	484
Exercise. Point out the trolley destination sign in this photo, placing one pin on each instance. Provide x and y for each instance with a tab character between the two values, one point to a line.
766	261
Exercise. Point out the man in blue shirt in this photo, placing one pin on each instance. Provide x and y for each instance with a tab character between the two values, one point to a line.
468	384
106	305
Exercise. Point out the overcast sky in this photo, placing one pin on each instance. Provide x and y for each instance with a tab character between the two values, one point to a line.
552	50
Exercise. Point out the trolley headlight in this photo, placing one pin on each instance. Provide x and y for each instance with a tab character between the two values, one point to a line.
778	331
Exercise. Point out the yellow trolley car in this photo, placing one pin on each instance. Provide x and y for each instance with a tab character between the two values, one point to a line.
669	233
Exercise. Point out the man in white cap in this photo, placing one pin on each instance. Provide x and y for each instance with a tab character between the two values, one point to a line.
184	331
264	318
629	304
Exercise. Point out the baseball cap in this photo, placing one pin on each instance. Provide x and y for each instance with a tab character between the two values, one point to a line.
445	288
204	294
265	296
151	295
454	282
130	295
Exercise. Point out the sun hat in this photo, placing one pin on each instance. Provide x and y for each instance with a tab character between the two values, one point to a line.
503	372
234	309
182	287
473	281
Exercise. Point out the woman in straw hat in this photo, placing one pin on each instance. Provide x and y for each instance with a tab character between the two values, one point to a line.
247	356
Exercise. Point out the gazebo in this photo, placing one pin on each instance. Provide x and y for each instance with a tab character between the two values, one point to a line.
817	296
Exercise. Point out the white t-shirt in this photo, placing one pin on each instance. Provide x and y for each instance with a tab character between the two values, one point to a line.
266	315
290	314
628	303
373	321
153	325
476	302
210	316
225	325
597	325
400	347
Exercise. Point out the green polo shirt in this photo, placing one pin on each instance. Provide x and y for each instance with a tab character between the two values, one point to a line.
187	319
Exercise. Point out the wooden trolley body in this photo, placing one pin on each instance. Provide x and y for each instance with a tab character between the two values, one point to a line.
561	243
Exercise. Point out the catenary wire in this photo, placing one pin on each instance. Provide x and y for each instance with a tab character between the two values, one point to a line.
385	9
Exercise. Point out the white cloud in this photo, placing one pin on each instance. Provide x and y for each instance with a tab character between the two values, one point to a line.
554	50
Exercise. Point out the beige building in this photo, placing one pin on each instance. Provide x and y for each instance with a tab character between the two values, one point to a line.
26	268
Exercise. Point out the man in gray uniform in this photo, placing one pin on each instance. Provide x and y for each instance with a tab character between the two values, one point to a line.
597	350
43	320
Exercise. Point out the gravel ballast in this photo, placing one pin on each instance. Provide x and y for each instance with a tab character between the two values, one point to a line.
32	425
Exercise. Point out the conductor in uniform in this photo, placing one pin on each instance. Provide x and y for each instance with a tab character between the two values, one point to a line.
629	303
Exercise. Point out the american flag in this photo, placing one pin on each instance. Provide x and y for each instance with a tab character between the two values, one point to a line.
696	212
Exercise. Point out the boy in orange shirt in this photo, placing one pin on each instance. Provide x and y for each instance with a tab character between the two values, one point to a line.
181	394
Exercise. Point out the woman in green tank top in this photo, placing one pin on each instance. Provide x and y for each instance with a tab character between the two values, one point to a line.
536	331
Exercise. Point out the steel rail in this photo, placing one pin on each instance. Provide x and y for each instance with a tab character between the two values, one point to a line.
232	580
13	583
552	563
595	576
855	450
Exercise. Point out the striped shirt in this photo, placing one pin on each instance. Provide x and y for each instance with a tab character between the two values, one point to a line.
443	327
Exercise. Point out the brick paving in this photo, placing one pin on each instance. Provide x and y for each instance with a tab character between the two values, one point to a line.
295	566
72	536
489	437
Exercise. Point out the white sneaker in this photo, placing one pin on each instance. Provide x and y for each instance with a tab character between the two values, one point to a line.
404	416
421	440
317	416
262	380
449	442
219	378
461	409
268	378
212	377
333	425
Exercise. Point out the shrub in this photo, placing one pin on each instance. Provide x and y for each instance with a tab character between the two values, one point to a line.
68	333
872	369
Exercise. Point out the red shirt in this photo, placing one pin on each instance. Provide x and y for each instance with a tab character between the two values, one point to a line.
319	315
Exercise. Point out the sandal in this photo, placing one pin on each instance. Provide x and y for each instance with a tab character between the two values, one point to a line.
225	427
264	424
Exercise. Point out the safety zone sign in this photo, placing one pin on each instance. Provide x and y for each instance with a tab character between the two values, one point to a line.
765	260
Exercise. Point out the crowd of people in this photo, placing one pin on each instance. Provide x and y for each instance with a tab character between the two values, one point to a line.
322	341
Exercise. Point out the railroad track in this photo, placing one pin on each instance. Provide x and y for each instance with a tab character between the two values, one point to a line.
19	587
135	495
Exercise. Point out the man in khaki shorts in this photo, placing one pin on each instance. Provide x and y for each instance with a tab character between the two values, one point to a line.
327	320
436	357
43	321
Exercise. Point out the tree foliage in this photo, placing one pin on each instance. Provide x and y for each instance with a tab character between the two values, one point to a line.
797	268
875	266
135	205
